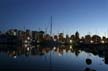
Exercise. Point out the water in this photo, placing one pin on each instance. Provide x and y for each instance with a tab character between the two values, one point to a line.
61	58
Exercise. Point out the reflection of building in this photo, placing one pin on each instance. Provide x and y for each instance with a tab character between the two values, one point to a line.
33	50
106	60
106	57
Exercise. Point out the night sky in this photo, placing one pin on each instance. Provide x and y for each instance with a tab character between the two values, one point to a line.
69	16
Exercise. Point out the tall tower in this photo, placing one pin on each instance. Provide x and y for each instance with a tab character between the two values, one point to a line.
24	28
51	26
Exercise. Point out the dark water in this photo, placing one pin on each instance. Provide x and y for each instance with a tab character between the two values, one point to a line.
61	58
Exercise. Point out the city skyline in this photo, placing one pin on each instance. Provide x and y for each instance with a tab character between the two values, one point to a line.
69	16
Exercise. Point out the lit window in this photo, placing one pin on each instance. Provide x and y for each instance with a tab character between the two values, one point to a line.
14	33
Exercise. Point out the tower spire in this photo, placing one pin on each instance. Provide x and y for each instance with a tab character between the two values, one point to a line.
24	28
51	26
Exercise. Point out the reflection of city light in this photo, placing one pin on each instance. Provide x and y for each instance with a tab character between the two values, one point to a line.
70	46
64	50
28	49
59	54
69	51
14	57
54	48
57	49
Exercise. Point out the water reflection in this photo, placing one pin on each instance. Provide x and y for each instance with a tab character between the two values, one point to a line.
34	50
88	61
64	58
88	69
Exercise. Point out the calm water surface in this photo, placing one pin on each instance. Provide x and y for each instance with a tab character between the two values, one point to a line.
62	58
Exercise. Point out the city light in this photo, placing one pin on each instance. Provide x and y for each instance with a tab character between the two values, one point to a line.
70	41
28	38
102	41
25	41
25	45
28	49
91	41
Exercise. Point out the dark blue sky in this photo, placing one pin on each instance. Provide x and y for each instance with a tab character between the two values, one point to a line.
68	15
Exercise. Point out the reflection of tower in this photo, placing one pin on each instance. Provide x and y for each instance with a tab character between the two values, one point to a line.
51	26
50	51
105	57
106	60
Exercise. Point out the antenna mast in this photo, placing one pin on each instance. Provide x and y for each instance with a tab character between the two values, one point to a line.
24	28
51	26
